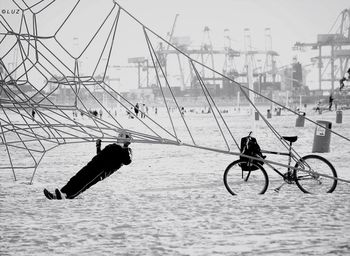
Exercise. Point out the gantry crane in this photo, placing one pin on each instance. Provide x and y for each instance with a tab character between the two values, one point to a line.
333	64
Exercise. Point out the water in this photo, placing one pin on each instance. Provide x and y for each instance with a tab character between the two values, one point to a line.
171	201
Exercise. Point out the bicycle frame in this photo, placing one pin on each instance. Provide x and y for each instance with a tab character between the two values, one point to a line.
289	154
294	175
288	177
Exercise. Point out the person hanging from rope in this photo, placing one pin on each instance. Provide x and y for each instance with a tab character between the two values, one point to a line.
346	77
106	162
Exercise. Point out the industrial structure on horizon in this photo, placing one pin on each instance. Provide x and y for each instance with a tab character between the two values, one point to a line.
271	81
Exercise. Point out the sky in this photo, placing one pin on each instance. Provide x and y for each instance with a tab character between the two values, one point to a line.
290	21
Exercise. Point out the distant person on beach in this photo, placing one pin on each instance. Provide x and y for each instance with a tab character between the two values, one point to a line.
106	162
128	113
94	113
142	110
318	107
183	110
331	99
346	77
136	109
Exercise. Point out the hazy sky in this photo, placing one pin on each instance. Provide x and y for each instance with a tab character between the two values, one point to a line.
289	20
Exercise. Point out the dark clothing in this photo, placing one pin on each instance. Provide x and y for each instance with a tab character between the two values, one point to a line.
330	102
106	162
136	109
346	77
250	147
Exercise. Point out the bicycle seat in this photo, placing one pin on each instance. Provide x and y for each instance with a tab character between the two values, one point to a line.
290	138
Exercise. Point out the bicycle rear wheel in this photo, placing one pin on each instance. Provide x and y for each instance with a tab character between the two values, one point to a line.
316	175
243	178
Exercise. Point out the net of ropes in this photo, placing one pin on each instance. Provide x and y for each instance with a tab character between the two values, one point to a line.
34	120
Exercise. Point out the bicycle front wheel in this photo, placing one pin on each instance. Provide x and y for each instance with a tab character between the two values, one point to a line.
315	175
243	178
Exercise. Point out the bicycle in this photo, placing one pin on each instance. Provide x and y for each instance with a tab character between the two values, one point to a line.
311	173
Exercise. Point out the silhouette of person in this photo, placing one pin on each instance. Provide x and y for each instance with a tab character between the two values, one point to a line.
101	166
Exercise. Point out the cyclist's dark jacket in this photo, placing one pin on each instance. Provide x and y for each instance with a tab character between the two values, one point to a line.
106	162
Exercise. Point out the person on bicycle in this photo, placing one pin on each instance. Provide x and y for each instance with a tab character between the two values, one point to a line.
106	162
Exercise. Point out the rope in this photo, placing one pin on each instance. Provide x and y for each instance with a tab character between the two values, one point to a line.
54	126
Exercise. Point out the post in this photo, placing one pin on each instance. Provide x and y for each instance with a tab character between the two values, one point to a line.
279	111
319	67
332	68
322	137
300	121
147	72
251	87
339	117
139	75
